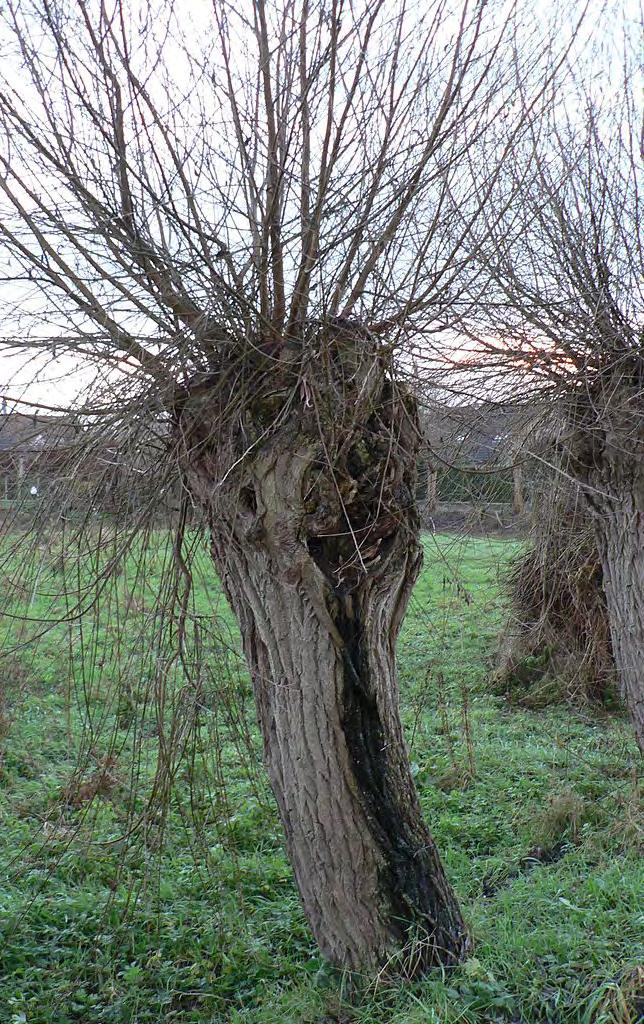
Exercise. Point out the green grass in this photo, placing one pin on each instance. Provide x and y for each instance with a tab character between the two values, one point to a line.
193	918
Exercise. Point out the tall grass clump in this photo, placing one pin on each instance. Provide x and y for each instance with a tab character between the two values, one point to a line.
557	645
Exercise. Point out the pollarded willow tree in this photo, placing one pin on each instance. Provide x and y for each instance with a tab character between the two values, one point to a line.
244	221
564	271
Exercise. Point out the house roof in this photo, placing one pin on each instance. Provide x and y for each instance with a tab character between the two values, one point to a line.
24	433
476	433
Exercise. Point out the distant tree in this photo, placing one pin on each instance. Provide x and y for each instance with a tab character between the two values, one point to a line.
563	311
556	644
243	223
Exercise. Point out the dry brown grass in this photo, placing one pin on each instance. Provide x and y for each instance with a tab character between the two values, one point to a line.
557	643
101	782
621	1001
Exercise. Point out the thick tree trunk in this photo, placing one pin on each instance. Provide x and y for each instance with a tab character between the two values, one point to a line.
323	668
619	527
607	456
427	490
316	543
431	501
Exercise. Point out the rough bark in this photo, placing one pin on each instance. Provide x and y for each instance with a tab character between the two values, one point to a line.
315	538
431	501
427	490
608	457
620	532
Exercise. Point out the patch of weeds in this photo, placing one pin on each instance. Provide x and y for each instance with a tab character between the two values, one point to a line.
619	1001
457	777
538	856
101	782
562	819
628	818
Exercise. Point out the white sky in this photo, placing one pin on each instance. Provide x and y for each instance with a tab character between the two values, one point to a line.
40	378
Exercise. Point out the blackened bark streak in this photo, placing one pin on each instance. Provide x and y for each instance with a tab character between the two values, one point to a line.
412	880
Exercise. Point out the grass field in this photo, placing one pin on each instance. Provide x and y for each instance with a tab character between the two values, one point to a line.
193	916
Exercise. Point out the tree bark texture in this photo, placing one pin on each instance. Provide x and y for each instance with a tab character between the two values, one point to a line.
427	489
309	492
620	531
431	501
609	461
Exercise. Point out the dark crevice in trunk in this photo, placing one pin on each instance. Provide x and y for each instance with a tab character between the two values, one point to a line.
367	749
416	905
